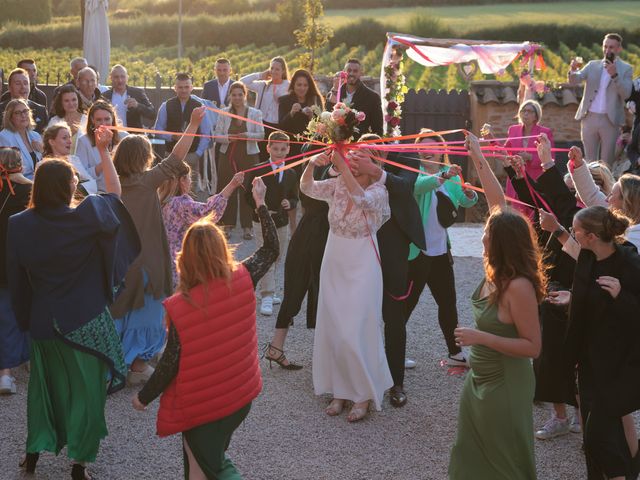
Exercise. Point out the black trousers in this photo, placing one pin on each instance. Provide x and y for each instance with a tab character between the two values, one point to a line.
394	254
302	269
605	445
437	273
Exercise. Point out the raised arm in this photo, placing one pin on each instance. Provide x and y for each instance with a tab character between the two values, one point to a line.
184	144
587	189
259	263
111	179
318	189
490	184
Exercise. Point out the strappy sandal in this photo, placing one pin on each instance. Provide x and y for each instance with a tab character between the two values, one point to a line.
335	407
358	411
280	359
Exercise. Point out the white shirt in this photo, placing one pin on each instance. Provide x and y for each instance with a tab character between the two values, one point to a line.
599	104
349	98
274	167
434	233
117	101
222	92
267	95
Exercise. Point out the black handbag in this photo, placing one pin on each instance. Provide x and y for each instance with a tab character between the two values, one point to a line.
447	212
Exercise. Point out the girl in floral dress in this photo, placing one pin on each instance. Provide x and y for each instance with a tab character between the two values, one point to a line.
180	210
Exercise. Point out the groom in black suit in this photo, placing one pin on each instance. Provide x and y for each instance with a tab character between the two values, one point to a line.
394	237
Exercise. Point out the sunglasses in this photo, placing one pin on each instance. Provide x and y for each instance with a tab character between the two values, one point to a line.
22	112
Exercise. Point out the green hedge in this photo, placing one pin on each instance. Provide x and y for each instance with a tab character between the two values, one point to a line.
26	11
371	32
341	4
265	27
202	30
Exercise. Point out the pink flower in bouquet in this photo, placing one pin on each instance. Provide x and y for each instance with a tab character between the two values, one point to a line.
360	116
387	118
339	106
337	114
539	87
392	105
321	129
395	121
341	121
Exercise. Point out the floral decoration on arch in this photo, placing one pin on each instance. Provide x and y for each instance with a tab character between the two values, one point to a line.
396	89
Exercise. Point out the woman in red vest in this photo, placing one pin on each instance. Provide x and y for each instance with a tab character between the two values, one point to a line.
209	373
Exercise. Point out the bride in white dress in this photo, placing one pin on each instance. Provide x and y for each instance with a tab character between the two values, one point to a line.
348	352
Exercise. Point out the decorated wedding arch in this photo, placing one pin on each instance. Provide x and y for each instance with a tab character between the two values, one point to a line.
469	55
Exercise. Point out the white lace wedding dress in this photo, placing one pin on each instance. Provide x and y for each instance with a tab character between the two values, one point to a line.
348	352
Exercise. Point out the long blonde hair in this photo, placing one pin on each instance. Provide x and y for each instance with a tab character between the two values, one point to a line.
205	256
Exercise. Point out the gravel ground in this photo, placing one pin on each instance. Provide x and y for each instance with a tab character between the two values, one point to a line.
288	437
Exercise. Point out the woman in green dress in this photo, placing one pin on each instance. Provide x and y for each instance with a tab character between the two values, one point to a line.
64	261
495	421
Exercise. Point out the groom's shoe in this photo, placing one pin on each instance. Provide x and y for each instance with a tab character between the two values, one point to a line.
397	396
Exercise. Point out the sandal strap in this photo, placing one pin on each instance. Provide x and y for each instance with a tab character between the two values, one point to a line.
265	353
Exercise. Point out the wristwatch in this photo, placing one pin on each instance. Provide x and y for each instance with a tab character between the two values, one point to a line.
557	233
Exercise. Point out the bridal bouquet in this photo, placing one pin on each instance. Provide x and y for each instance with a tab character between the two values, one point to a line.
337	126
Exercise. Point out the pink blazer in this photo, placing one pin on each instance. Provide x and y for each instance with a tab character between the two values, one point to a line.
533	167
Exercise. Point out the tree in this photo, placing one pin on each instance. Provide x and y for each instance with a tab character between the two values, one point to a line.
26	11
290	13
314	34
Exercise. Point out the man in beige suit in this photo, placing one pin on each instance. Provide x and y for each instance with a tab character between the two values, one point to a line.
601	112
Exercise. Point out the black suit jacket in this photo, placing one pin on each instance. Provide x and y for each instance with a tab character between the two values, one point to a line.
210	92
40	115
35	95
367	101
404	208
403	228
144	109
276	192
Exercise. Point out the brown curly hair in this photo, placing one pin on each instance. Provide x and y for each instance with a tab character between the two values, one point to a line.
512	252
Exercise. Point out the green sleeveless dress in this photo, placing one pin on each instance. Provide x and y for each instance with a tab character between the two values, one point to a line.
495	420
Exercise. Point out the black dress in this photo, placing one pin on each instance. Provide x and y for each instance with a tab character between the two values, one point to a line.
555	382
294	124
603	340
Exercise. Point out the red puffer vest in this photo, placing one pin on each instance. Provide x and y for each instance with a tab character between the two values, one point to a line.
219	371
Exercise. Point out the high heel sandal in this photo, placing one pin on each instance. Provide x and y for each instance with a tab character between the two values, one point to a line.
79	472
335	407
358	413
29	462
280	359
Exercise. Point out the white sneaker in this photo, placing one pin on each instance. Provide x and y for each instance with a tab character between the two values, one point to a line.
7	385
554	427
458	360
138	378
409	364
266	306
574	426
276	300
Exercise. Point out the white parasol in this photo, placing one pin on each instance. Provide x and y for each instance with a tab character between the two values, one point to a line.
96	39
